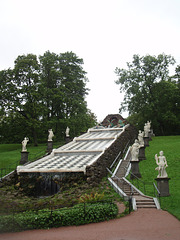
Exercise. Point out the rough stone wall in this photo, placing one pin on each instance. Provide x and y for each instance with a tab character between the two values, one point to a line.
98	170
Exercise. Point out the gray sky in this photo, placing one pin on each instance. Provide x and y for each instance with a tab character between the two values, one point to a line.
105	33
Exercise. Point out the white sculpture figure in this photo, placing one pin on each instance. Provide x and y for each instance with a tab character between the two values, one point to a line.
149	125
162	164
24	143
146	130
135	151
67	132
51	135
140	138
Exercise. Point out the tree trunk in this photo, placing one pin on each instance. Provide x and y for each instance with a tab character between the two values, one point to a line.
35	137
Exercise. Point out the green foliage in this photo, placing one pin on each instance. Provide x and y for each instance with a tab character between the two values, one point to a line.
93	197
150	93
43	93
44	219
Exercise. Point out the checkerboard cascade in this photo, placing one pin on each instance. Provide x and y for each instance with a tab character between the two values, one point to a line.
76	155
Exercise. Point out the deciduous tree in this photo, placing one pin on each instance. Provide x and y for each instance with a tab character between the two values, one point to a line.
150	93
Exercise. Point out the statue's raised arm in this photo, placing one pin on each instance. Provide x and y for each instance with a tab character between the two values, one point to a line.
156	158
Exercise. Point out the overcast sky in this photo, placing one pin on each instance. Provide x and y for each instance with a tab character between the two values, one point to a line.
105	33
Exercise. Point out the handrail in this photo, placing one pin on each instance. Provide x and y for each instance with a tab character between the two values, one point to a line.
156	188
120	152
109	171
137	177
147	183
157	195
115	159
126	146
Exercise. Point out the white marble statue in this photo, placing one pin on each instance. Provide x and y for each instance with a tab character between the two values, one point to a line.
140	138
162	165
51	135
149	125
135	151
146	130
24	143
67	132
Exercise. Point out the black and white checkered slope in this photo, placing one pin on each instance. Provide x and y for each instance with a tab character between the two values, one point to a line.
76	155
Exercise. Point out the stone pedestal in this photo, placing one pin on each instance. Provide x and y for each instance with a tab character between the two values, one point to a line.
135	169
67	139
146	141
163	186
149	135
24	157
49	146
142	154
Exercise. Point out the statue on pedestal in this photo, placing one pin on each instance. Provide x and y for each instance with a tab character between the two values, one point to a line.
149	125
67	132
135	151
146	130
51	135
140	138
162	165
24	143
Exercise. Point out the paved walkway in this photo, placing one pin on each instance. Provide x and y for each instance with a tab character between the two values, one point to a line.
144	224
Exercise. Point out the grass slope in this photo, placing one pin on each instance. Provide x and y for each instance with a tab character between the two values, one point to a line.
170	145
10	154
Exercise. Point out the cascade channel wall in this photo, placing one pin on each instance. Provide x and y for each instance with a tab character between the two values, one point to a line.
98	170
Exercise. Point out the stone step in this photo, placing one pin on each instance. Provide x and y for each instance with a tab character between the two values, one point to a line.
146	206
143	200
145	203
130	194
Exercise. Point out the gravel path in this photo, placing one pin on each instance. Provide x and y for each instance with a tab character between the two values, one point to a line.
144	224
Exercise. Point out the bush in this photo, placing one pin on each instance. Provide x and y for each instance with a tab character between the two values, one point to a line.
44	219
93	197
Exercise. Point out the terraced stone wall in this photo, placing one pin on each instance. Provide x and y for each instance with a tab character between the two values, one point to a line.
98	170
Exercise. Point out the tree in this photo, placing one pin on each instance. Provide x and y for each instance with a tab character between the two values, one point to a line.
44	93
63	81
150	93
22	94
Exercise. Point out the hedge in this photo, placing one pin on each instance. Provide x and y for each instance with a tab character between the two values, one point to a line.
44	219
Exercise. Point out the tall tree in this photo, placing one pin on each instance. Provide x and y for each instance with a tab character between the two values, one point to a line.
45	93
63	81
22	95
50	81
145	85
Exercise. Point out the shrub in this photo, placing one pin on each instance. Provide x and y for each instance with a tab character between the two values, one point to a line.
43	219
93	197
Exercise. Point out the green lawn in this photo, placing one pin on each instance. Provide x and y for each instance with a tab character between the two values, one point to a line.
170	145
10	154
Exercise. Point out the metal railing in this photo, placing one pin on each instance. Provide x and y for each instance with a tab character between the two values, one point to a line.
118	185
148	188
119	156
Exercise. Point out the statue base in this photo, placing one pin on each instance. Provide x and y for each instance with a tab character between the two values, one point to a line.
49	146
149	135
135	169
142	153
163	186
24	157
67	139
146	141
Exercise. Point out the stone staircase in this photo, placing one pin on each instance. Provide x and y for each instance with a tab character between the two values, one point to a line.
144	202
128	190
140	200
